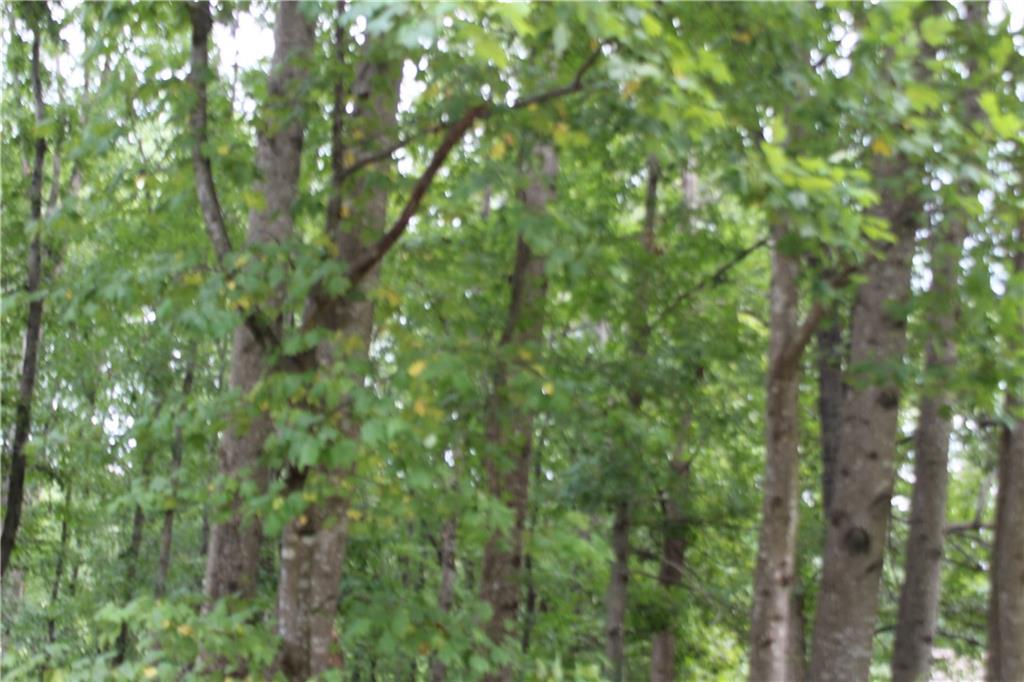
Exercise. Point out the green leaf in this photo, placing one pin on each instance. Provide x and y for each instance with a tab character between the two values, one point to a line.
922	97
935	29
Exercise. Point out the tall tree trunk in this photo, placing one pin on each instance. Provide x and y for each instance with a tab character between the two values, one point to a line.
1006	595
919	597
858	524
670	572
234	545
829	341
130	559
58	571
167	532
772	622
615	599
313	545
509	427
33	329
446	592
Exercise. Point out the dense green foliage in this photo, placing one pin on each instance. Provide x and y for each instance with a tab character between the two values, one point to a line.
750	111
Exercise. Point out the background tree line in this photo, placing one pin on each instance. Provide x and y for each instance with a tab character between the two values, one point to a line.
513	341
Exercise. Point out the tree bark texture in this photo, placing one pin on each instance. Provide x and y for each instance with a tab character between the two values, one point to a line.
313	545
919	597
1006	595
772	622
616	597
33	330
829	341
167	531
509	427
858	523
233	552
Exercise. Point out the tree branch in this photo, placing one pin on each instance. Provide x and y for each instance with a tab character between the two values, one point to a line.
715	278
454	134
213	217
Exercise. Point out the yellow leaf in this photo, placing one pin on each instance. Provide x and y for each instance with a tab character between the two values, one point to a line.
881	147
354	514
349	158
525	355
416	368
420	407
741	37
223	150
548	388
630	88
498	150
265	406
309	497
345	211
560	133
389	295
149	672
231	284
244	303
277	503
185	630
166	624
193	279
303	520
68	295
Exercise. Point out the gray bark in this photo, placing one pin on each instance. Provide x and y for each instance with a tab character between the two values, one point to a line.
858	523
233	552
919	597
773	621
616	597
1006	595
313	546
510	428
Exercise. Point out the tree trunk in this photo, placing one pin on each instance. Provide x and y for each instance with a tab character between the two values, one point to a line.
167	532
234	544
1006	595
58	571
858	524
615	600
33	330
772	622
509	427
670	573
313	545
446	592
130	559
919	598
830	399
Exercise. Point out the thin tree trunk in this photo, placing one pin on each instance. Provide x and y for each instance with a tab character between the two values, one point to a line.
673	554
772	622
446	592
33	330
615	600
1006	595
530	609
234	544
130	559
167	532
919	597
858	524
58	571
829	341
509	428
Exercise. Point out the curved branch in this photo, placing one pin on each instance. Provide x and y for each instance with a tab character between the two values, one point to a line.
454	134
213	217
